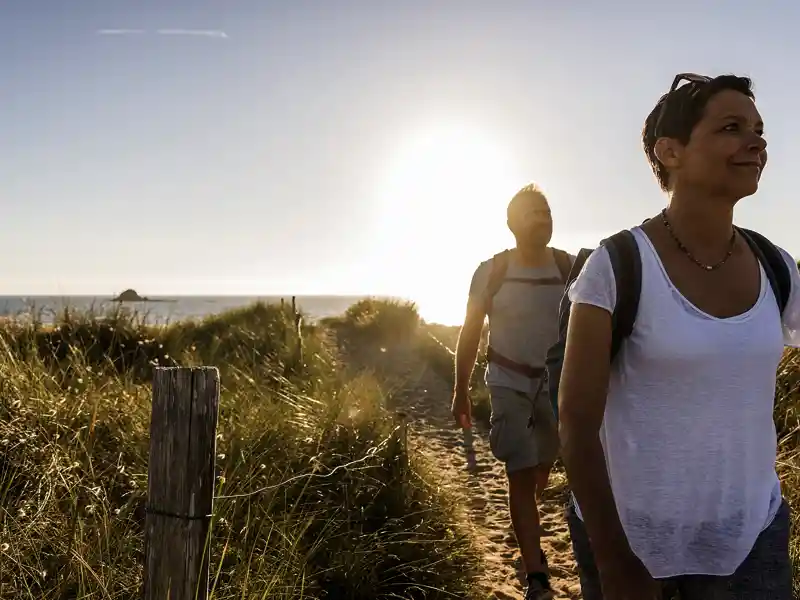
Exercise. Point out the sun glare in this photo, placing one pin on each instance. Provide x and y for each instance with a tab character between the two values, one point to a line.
441	211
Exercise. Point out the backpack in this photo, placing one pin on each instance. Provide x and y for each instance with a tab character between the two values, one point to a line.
497	277
627	265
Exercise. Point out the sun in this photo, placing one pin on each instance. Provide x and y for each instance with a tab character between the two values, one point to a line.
441	210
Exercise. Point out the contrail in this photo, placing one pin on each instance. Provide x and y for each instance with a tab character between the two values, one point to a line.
213	33
120	31
216	33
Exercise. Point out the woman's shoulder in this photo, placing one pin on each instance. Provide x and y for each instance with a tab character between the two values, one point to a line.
595	282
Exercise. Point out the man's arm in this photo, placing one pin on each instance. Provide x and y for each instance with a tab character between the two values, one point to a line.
467	347
581	407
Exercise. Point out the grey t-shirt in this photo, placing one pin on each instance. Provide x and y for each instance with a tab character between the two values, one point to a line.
523	322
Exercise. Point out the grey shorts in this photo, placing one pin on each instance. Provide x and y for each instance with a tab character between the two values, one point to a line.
523	430
766	573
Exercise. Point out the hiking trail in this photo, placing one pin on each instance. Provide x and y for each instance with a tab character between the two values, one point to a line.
425	397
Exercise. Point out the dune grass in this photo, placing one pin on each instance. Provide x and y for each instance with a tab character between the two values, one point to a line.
787	421
316	497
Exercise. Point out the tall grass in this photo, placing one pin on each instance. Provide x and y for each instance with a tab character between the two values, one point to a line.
315	496
376	321
787	421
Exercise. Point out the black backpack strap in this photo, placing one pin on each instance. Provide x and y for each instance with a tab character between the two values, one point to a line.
564	263
771	259
627	264
574	271
496	277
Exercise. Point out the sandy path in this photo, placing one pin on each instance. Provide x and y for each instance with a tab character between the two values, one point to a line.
478	479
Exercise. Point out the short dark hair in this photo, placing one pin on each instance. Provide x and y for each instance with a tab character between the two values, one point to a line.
677	113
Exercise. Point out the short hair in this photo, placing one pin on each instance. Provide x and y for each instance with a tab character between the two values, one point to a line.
530	191
678	112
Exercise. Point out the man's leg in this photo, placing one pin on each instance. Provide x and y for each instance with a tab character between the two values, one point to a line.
766	573
545	432
524	511
542	479
514	442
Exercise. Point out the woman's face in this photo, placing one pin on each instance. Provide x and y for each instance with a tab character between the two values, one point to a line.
726	152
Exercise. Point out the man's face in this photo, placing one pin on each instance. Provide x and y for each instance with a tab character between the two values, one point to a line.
530	221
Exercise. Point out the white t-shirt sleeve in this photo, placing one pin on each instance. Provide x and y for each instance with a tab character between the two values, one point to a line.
595	284
791	314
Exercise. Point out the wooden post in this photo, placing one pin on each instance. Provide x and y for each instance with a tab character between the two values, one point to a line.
180	483
298	332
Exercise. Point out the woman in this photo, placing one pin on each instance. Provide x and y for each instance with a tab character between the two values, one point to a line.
670	449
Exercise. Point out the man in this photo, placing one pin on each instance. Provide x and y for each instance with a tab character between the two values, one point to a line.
519	290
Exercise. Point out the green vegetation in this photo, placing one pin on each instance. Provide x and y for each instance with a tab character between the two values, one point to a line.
373	322
74	419
787	421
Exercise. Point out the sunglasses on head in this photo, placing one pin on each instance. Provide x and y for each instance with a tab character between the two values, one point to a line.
690	78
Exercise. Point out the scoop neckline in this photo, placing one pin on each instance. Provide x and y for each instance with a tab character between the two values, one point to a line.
744	316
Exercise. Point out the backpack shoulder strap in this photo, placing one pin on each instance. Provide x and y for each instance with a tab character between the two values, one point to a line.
574	271
563	262
774	265
499	268
627	264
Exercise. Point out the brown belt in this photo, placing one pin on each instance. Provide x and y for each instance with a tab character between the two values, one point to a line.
527	370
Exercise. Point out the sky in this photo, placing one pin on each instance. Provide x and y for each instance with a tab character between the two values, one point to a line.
264	147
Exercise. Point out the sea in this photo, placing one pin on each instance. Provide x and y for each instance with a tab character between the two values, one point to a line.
160	310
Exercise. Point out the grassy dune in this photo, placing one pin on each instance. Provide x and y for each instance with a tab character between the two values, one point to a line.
74	418
787	420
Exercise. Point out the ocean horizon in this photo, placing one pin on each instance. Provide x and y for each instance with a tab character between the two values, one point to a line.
167	309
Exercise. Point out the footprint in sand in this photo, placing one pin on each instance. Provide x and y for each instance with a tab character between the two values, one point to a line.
477	503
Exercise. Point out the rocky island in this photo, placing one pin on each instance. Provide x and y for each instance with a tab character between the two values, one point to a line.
130	296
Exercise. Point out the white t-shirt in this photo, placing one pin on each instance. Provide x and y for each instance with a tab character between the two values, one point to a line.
688	431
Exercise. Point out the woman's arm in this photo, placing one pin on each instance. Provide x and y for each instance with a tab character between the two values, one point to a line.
581	406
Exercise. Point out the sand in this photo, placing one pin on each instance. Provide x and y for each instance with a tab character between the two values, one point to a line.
477	478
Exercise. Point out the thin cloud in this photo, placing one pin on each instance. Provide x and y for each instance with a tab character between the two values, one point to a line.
215	33
120	31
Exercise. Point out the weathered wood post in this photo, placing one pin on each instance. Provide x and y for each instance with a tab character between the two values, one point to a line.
298	332
180	483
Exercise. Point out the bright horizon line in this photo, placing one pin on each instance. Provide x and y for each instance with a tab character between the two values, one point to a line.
221	295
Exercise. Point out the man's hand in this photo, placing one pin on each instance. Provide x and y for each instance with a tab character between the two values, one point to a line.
625	578
462	410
